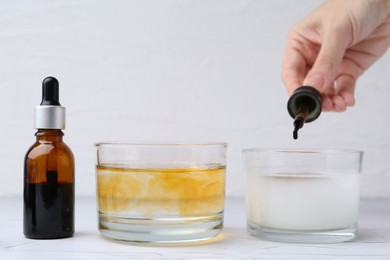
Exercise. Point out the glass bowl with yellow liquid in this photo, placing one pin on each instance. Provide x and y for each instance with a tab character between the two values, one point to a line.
160	193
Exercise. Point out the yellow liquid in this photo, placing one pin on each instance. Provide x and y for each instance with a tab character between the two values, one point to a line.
187	192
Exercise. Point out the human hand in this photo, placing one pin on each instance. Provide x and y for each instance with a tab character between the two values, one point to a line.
333	46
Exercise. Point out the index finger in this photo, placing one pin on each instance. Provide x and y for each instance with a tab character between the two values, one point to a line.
294	68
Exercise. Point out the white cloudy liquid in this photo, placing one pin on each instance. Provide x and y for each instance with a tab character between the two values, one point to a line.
303	201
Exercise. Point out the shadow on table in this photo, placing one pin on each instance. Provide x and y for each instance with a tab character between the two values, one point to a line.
373	236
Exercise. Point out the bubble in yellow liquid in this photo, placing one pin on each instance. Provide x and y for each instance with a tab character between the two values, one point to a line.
184	191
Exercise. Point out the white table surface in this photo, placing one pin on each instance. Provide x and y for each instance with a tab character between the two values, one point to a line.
234	243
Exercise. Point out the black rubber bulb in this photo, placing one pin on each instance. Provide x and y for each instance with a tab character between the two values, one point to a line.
50	92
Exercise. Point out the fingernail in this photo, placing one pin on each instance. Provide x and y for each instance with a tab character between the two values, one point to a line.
316	81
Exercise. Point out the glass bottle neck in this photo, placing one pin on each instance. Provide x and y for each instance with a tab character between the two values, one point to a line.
49	134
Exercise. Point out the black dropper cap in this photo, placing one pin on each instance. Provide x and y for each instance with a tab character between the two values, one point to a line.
50	92
50	114
304	106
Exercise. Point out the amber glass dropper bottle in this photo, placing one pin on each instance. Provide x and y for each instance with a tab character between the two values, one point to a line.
305	106
48	211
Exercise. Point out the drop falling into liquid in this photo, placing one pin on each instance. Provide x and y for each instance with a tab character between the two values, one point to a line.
298	123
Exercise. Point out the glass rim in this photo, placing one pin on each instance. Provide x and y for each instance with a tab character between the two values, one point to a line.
159	144
303	151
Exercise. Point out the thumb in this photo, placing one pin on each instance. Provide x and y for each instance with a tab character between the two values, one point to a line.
327	64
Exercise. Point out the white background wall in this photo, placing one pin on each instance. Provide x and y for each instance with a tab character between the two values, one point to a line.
172	70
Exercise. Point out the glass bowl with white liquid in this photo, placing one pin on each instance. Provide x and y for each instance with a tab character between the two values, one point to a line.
303	196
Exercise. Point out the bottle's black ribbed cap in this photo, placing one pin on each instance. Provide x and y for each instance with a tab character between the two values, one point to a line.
309	97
